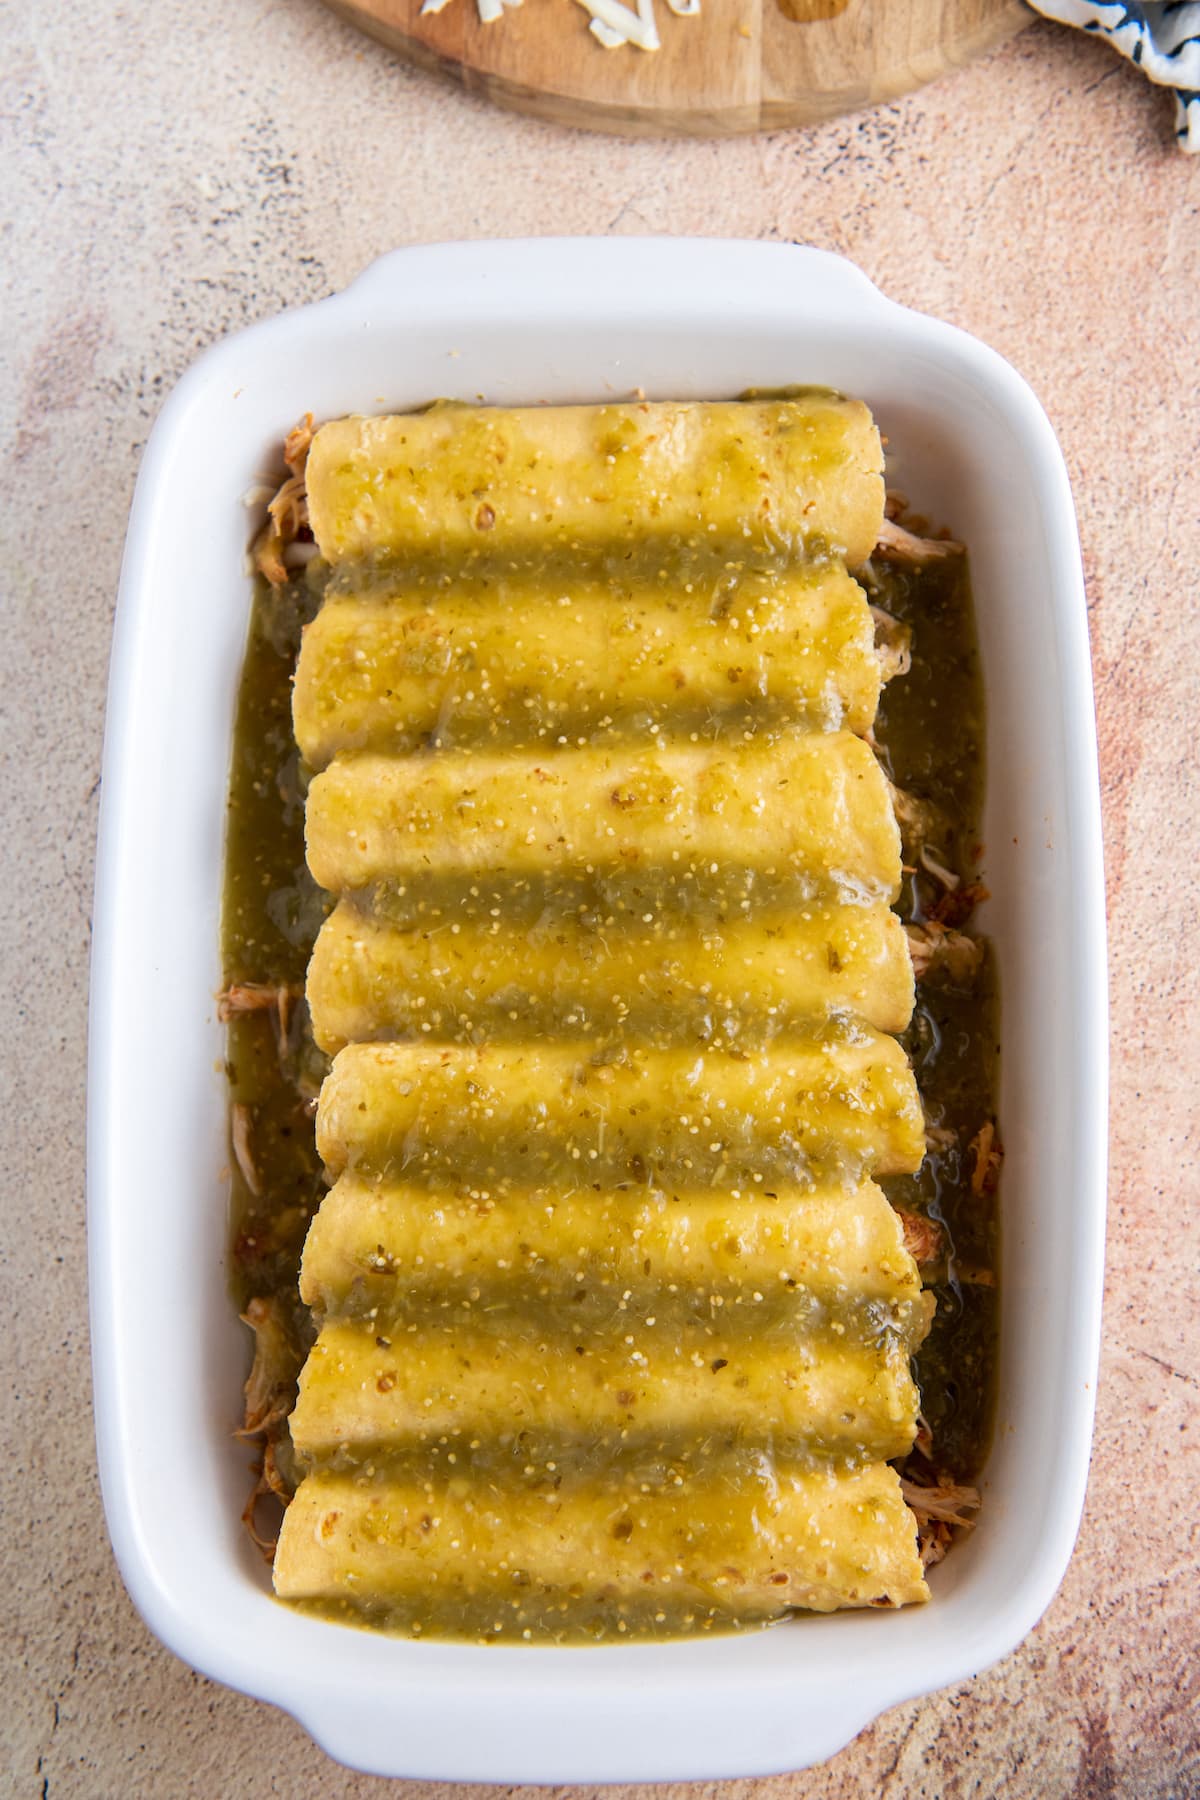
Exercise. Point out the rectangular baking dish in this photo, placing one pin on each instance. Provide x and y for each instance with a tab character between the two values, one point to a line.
559	320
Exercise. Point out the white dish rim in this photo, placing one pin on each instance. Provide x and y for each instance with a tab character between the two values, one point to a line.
532	319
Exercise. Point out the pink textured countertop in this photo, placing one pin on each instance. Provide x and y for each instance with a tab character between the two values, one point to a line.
175	173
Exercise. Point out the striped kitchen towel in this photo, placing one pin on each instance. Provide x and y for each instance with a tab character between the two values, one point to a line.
1163	41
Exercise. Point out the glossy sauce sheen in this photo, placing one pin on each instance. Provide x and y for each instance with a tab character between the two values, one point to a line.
668	1031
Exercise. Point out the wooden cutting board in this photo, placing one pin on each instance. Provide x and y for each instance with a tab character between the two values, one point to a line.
741	65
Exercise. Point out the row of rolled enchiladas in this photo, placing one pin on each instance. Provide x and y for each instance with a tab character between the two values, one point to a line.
615	1323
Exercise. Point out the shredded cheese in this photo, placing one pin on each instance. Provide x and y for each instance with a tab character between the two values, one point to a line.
614	23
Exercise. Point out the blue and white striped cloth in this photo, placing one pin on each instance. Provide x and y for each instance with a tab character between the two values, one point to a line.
1163	41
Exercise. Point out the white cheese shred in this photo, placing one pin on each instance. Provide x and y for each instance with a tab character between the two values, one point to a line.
621	25
613	23
604	34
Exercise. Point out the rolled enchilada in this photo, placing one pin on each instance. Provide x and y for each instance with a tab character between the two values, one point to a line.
384	1244
724	980
367	1385
843	1106
795	473
610	981
529	655
799	803
605	1555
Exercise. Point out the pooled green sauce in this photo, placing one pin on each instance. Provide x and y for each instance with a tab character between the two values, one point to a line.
930	734
271	915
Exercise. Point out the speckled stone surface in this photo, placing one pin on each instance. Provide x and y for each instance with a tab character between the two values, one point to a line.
172	172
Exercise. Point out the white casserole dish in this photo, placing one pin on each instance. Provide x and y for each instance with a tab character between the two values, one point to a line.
577	320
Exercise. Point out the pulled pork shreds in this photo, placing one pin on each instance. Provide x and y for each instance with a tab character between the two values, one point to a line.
270	1395
297	444
942	1509
988	1156
940	1137
289	508
941	874
922	1237
269	1484
287	514
254	997
895	544
933	947
248	997
264	1544
893	644
268	554
271	1383
241	1122
918	820
955	906
941	1499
